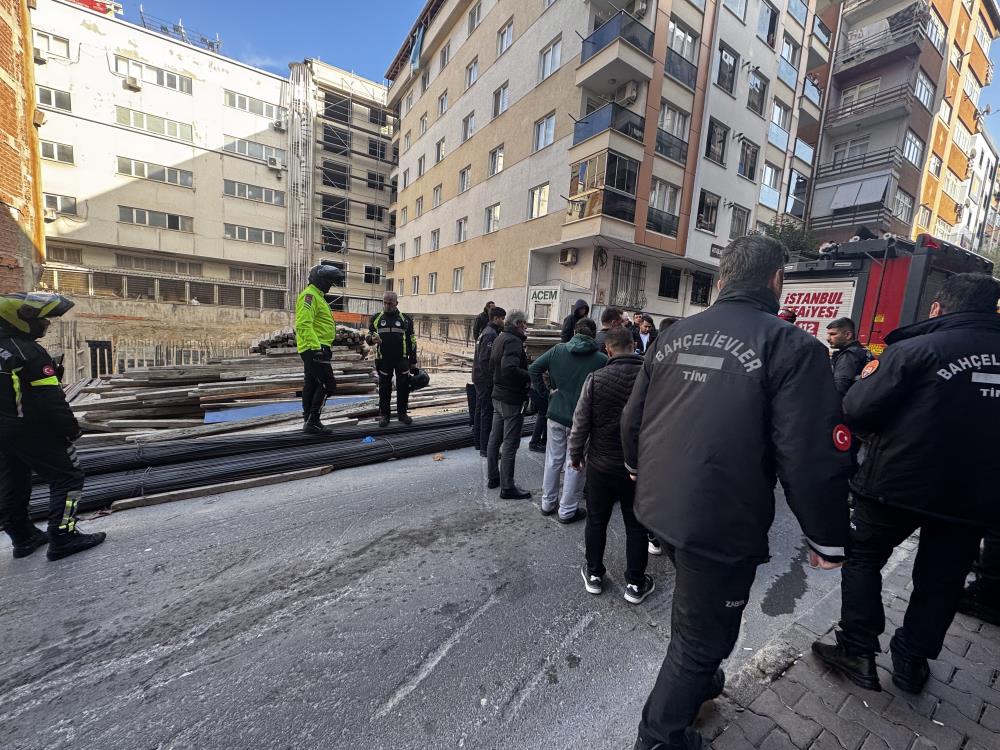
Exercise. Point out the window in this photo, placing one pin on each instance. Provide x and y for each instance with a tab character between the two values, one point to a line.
790	50
417	242
496	161
715	145
902	207
443	103
253	149
155	76
664	197
406	141
436	196
402	256
402	287
923	89
129	215
457	274
333	208
61	204
439	151
729	63
851	149
545	130
432	283
421	164
54	45
549	59
771	176
253	192
934	164
166	265
708	211
376	181
924	217
670	283
492	222
254	106
963	138
336	107
425	81
952	185
739	223
913	149
375	213
781	114
674	120
252	234
942	228
739	7
621	173
406	178
435	239
445	55
373	243
860	92
332	240
973	89
767	24
336	141
418	207
376	148
683	42
475	16
57	152
936	30
415	284
538	201
501	100
462	229
153	124
465	179
404	216
486	274
757	94
373	275
505	37
468	126
471	72
747	167
68	255
423	123
53	98
983	35
701	289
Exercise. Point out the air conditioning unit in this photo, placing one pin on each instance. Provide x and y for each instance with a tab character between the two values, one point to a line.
273	162
40	58
280	125
50	215
974	153
133	83
39	118
627	93
567	256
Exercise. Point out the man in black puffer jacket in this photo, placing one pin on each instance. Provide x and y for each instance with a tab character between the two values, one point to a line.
597	433
482	379
931	405
510	390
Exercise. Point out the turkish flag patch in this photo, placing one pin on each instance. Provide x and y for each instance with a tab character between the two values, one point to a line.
870	369
308	300
48	371
842	438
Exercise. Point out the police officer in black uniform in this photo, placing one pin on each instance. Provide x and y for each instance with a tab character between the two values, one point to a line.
727	402
849	357
37	430
931	405
391	333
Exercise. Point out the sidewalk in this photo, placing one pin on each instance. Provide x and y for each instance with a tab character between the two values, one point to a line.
811	708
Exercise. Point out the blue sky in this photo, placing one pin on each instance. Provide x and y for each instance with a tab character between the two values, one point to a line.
360	36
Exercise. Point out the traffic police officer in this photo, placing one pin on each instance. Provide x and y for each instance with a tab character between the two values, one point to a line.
315	330
726	402
391	333
37	430
931	406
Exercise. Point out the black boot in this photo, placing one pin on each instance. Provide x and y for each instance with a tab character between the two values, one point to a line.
909	673
692	741
404	418
383	421
858	669
25	544
313	426
65	543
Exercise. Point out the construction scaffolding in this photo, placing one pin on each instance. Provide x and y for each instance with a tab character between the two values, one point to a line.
301	95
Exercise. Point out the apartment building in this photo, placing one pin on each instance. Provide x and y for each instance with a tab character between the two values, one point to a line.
163	164
969	230
679	126
899	135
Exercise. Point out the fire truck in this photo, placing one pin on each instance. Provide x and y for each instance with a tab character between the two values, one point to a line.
881	284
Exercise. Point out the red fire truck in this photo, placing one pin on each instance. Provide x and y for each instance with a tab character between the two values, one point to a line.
881	284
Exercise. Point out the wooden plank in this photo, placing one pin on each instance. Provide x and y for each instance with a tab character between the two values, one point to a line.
219	428
159	424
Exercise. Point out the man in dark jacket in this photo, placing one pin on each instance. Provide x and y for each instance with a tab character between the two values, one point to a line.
482	320
597	423
610	318
725	401
391	333
482	378
510	390
645	335
580	311
849	357
931	405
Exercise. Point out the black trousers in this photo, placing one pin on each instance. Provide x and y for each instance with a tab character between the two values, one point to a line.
944	557
505	437
603	491
484	416
319	383
386	371
540	431
54	460
988	567
709	599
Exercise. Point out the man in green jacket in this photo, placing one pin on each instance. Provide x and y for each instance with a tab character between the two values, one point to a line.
568	366
315	330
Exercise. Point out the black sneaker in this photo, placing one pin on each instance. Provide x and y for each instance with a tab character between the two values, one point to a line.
655	548
858	669
404	419
383	421
27	545
515	493
908	673
593	584
578	515
536	448
636	594
493	483
65	543
313	427
692	741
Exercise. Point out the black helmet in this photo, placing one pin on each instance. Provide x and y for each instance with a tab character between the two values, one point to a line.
325	276
24	312
419	379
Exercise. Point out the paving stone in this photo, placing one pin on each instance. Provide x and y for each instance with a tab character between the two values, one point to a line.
968	623
732	739
787	690
952	718
754	726
895	736
923	703
991	719
833	689
922	743
874	742
945	737
942	670
971	705
778	740
979	654
957	645
801	730
977	679
849	734
825	741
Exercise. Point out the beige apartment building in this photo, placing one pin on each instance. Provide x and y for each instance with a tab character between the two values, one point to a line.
551	150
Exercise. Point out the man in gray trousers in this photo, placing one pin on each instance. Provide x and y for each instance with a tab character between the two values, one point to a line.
510	390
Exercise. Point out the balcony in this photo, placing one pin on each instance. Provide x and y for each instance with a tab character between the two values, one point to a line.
777	136
662	222
804	151
819	45
892	157
602	202
875	216
822	32
885	105
769	197
671	147
798	10
788	73
609	117
681	69
620	51
874	50
812	93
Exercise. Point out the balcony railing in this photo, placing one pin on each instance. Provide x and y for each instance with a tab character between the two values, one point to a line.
897	95
681	69
796	207
671	146
662	222
605	201
893	156
798	10
769	197
875	43
622	26
777	135
788	72
873	215
804	151
609	117
821	31
812	92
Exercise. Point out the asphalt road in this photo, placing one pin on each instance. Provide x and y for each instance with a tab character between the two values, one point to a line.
395	606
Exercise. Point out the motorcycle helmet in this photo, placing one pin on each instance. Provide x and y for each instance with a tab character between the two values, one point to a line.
30	312
419	379
325	276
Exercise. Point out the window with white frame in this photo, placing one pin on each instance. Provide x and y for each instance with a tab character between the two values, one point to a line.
432	282
739	7
415	284
728	67
445	54
739	222
462	229
61	204
923	89
158	219
749	155
257	193
952	186
850	149
983	35
418	207
934	164
418	242
475	16
404	215
439	151
253	234
757	92
664	197
443	103
373	275
486	274
468	126
423	124
972	88
942	228
254	106
538	201
406	141
472	72
457	278
435	239
963	138
505	37
408	103
682	41
421	165
771	176
937	32
402	255
501	99
54	98
674	120
56	46
253	149
436	196
860	92
402	287
945	111
406	178
57	152
913	149
151	74
923	217
465	179
902	206
373	243
495	161
545	130
425	81
549	59
492	221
